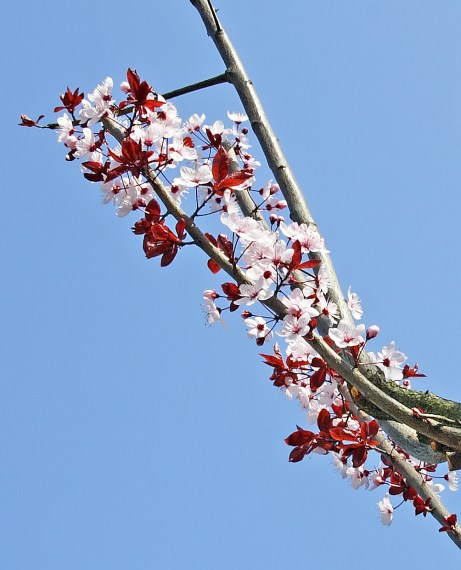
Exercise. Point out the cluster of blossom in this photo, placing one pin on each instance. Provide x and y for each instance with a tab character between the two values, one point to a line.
277	259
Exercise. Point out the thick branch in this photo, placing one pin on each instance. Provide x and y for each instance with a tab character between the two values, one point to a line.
272	151
300	213
447	435
414	479
269	143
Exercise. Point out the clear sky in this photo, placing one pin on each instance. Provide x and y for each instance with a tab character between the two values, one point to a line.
133	436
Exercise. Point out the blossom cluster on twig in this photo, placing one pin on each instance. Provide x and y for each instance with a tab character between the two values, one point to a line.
180	175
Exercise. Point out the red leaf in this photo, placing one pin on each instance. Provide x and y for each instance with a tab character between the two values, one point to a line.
412	372
133	79
340	434
318	378
297	454
372	428
213	266
421	506
141	227
324	420
152	104
187	141
153	211
180	227
359	456
309	264
234	179
317	362
70	101
28	122
300	437
450	523
215	140
231	290
409	494
220	166
273	360
168	256
225	245
297	255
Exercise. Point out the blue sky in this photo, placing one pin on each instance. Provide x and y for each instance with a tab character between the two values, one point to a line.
132	434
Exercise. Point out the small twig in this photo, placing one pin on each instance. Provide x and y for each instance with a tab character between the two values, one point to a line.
439	418
222	78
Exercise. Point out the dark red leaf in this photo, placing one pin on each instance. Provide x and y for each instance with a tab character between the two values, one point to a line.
153	211
297	454
300	437
297	255
213	266
233	180
450	523
220	166
409	494
180	227
168	256
141	227
372	428
324	420
359	456
318	378
231	290
28	122
340	434
273	360
309	264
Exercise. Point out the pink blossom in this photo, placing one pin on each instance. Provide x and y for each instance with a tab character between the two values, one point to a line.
210	294
294	326
212	312
179	151
194	123
217	128
357	477
102	101
386	510
354	304
192	177
86	144
328	308
298	306
169	115
390	361
376	478
452	479
308	236
237	117
372	332
253	292
339	464
347	335
248	229
257	328
66	133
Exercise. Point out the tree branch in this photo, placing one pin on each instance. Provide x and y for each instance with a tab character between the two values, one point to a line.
217	80
276	160
299	212
279	165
